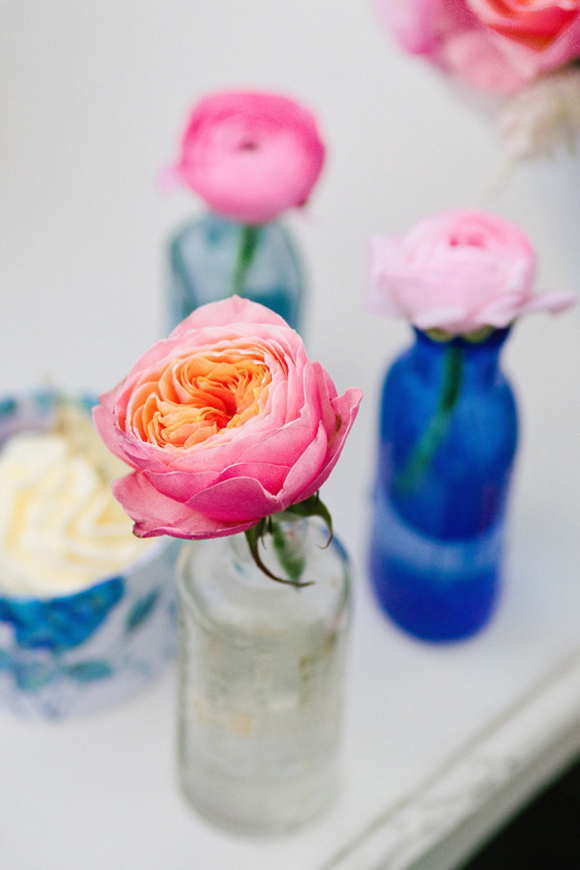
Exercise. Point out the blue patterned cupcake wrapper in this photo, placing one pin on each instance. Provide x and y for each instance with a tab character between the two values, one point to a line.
77	653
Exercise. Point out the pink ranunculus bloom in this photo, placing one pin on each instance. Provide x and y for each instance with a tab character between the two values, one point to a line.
493	45
458	271
225	422
250	155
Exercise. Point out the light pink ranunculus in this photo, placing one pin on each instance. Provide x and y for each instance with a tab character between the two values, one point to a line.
224	422
249	155
493	45
458	271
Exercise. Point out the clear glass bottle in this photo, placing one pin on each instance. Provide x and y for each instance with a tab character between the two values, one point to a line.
261	668
212	258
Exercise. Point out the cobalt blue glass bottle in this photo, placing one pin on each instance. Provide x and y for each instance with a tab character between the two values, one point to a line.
212	258
448	434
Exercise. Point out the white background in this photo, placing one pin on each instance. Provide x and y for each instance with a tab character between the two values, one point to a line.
93	101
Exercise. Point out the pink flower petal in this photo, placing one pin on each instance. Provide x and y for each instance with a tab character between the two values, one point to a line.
554	302
104	420
239	500
154	514
282	446
307	468
346	408
180	486
271	476
225	312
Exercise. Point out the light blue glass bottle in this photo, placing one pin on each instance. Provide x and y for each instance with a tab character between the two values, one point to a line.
212	258
448	437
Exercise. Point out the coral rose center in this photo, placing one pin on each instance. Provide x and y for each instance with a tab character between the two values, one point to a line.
197	396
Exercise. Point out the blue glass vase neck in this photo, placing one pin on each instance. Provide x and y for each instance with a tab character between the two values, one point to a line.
213	257
479	360
212	217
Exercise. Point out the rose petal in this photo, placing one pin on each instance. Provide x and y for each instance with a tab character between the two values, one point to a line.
307	468
346	408
227	311
104	420
180	486
271	476
239	500
493	47
154	514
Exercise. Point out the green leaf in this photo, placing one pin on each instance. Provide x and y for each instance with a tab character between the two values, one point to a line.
253	537
313	507
291	558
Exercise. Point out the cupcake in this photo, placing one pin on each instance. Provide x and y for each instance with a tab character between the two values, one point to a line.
86	609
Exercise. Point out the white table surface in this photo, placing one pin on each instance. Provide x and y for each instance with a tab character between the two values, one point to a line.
440	743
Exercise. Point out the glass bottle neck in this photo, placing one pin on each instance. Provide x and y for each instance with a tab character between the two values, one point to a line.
479	360
216	221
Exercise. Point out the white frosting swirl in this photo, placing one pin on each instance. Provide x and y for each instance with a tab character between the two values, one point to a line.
61	529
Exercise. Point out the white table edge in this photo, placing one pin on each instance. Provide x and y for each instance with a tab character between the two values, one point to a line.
475	790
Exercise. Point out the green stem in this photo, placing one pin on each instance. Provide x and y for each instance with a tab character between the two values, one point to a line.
290	554
410	474
249	238
288	557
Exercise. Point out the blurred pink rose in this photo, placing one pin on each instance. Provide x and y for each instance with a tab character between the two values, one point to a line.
225	422
458	271
249	155
492	45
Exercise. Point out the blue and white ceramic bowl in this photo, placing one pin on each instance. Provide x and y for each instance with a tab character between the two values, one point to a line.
78	652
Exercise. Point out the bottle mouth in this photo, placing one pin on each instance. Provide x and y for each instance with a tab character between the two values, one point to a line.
484	336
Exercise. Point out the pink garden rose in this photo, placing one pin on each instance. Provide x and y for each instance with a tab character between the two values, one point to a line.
458	271
493	45
225	422
250	155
